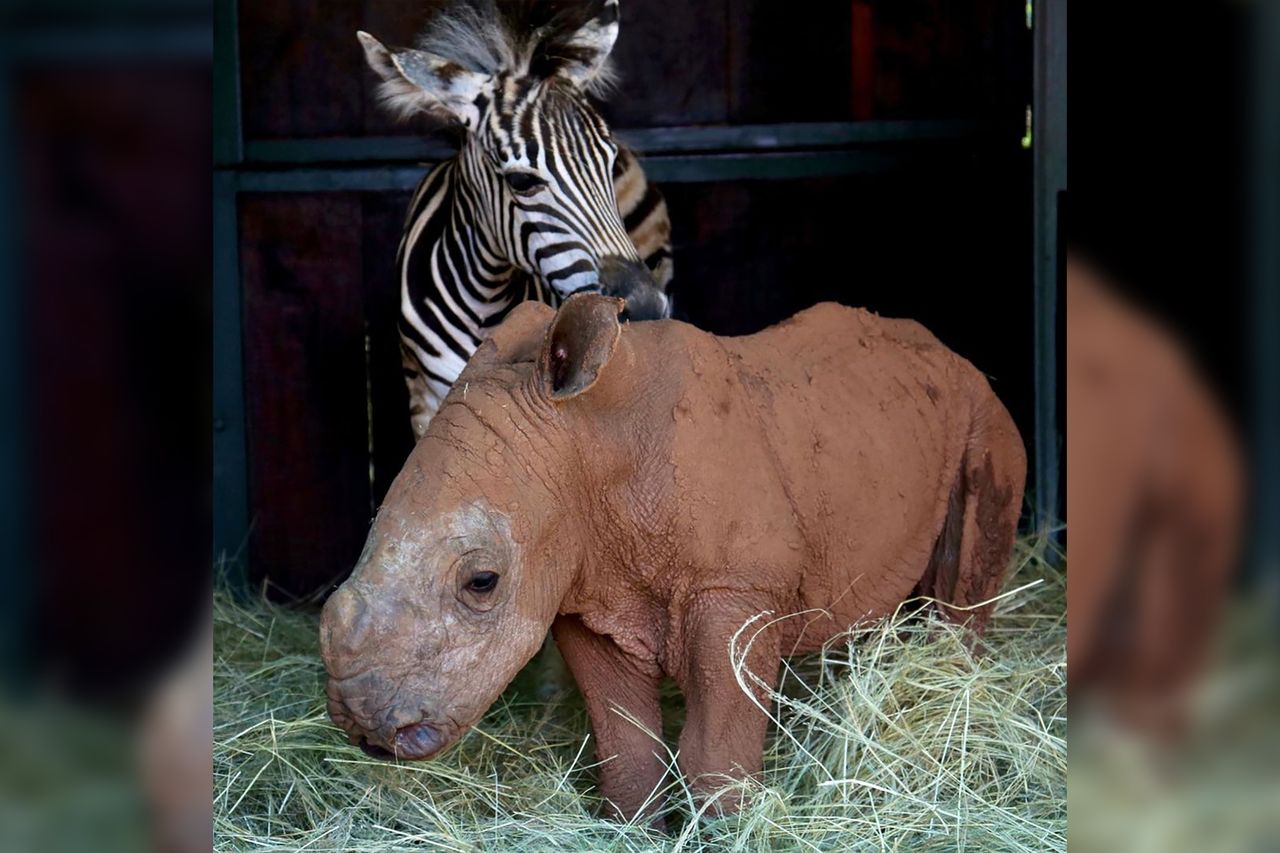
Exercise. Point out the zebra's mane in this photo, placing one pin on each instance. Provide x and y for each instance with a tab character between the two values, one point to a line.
525	37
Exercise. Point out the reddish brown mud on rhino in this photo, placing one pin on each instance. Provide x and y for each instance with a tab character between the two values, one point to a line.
646	490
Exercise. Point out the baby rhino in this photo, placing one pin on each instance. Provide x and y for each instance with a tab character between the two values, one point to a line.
646	490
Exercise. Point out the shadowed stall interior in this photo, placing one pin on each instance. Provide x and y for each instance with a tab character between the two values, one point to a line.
869	153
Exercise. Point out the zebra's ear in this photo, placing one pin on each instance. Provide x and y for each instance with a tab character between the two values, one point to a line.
585	53
414	81
579	343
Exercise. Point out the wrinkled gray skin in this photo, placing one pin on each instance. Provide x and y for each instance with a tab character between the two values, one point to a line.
414	656
406	598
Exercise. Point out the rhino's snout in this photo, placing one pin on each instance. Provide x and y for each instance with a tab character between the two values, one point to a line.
346	622
404	637
366	700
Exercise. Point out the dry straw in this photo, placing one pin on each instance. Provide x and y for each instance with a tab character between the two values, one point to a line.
903	739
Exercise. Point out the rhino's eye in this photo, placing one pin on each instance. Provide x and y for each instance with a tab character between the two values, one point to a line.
483	582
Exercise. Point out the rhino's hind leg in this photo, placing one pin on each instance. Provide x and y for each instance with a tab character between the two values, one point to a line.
972	553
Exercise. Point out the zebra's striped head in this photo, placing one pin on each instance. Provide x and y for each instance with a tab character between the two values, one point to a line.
536	161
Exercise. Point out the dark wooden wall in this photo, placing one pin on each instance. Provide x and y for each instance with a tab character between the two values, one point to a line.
325	402
682	62
943	236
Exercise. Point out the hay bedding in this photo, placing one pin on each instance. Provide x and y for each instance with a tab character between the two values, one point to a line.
901	740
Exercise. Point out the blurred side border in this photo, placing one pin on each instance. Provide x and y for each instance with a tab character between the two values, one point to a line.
35	35
1265	269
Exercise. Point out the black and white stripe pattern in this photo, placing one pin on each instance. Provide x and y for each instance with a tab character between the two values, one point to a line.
539	203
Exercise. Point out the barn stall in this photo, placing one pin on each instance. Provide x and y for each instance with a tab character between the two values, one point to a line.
892	168
903	156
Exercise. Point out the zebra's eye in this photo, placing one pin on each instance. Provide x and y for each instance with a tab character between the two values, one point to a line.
524	182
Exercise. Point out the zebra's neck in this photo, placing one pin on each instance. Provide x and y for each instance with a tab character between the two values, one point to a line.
467	263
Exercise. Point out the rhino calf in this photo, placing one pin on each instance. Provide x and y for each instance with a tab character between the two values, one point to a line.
644	491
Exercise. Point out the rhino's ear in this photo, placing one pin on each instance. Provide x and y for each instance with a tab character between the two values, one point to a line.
414	81
579	344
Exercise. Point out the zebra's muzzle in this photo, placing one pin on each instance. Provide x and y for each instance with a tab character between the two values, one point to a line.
633	283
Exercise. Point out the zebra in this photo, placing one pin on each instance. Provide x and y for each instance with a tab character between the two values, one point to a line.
539	203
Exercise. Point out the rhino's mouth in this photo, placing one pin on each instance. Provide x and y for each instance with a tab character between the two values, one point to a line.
377	734
420	741
417	742
374	751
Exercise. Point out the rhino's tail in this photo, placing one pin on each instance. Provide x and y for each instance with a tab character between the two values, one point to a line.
971	555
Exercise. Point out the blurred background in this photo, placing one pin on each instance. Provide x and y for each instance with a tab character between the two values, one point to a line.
907	155
105	144
1172	377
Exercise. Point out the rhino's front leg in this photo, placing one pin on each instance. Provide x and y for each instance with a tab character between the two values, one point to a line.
724	730
617	687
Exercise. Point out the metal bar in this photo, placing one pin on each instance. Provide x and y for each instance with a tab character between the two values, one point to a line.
692	168
371	149
1049	153
771	137
228	136
700	168
330	179
652	141
230	442
230	451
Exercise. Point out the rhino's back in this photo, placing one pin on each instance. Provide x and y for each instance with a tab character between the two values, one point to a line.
848	445
829	336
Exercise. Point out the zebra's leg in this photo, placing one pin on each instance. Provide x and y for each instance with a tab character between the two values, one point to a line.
422	401
421	407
